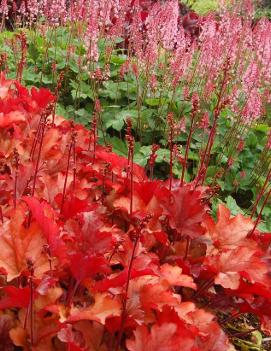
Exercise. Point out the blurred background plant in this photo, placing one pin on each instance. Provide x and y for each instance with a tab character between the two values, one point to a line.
263	9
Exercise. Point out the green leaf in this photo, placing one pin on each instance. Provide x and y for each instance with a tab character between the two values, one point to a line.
33	52
118	59
262	128
232	206
119	146
156	101
118	120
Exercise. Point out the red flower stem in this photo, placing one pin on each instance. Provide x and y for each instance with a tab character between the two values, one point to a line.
39	155
260	213
25	318
171	165
74	166
188	242
261	194
73	292
66	178
206	285
244	333
209	148
228	319
131	182
170	121
123	315
94	129
187	148
1	215
31	310
35	141
210	142
15	189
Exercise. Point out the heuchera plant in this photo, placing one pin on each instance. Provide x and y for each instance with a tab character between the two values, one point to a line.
97	256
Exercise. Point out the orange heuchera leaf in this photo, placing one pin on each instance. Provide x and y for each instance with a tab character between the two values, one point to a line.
164	337
19	244
104	306
6	120
172	275
212	335
230	265
48	226
4	86
228	232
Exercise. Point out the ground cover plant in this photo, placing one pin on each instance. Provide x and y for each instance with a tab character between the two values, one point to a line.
145	226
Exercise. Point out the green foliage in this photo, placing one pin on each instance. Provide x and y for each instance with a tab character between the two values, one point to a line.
202	6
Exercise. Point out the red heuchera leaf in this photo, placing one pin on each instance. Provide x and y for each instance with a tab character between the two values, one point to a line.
247	289
16	297
230	265
93	234
85	266
42	97
74	347
228	232
145	198
121	279
185	210
48	226
72	206
120	164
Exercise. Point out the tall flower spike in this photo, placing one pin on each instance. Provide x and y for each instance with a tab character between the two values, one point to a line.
194	113
152	158
15	162
57	92
23	41
71	148
130	167
170	120
142	223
